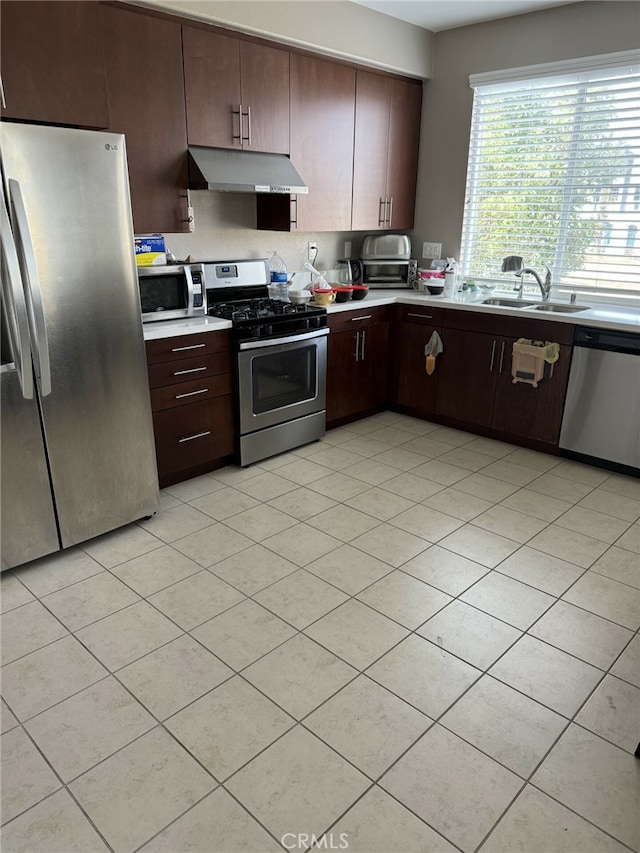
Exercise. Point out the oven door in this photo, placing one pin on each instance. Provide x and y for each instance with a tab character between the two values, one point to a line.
280	380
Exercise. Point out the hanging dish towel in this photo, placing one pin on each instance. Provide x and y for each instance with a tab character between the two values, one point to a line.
431	350
531	360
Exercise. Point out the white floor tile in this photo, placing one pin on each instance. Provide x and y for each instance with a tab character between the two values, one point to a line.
283	789
242	634
26	776
368	725
469	634
548	675
356	633
505	725
229	726
535	822
300	598
613	712
507	599
139	790
89	727
456	789
424	675
597	780
299	675
405	599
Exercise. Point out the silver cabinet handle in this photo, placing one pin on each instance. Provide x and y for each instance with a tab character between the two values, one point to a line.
493	353
2	97
501	357
14	305
357	352
193	346
364	338
390	205
192	437
238	113
191	370
247	138
33	291
191	393
363	317
294	217
381	210
422	316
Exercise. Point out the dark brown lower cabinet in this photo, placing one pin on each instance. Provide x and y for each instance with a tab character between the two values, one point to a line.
414	388
475	385
467	376
357	364
191	384
521	410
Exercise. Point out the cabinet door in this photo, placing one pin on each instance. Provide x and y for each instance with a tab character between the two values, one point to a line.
342	374
404	142
146	102
467	376
265	92
322	122
53	63
373	92
212	88
521	409
414	387
373	368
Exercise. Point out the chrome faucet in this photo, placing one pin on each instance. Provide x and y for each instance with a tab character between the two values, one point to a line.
514	264
545	287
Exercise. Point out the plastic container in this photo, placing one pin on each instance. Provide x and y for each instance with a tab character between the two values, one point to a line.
278	268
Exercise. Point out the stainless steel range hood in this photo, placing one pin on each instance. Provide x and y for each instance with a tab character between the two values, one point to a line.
242	171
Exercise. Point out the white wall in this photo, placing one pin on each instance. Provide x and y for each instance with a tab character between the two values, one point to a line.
333	27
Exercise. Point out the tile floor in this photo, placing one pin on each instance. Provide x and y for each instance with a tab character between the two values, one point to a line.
404	636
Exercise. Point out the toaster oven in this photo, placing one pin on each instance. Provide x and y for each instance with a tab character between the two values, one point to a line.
385	273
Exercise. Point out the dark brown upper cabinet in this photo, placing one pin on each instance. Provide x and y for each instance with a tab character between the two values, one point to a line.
146	102
237	92
52	63
385	164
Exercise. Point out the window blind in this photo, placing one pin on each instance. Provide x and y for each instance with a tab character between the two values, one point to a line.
554	176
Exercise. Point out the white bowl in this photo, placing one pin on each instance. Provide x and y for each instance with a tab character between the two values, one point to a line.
299	297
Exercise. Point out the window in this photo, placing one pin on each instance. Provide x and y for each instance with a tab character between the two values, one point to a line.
554	161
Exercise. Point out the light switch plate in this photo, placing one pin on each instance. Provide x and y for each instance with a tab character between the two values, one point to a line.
347	248
431	250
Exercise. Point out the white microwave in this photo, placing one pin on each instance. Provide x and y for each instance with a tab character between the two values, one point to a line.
172	292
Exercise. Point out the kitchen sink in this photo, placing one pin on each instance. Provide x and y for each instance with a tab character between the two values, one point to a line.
561	309
507	303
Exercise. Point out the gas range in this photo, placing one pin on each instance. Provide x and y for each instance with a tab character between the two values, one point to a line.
260	318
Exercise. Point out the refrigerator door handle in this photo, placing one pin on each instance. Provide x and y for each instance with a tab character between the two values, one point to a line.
33	291
15	306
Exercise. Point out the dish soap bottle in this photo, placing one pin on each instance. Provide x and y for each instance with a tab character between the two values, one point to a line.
278	268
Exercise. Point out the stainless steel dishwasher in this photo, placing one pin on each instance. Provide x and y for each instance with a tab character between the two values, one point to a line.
602	410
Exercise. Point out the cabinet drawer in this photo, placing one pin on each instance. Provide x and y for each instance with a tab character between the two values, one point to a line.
185	393
358	318
187	436
422	314
513	327
185	346
188	369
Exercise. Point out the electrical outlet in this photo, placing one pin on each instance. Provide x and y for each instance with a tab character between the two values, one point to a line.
431	250
312	251
190	219
347	248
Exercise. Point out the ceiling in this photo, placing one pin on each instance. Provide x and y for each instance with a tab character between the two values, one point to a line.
436	15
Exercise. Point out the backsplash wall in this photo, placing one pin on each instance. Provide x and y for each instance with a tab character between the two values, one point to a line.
225	229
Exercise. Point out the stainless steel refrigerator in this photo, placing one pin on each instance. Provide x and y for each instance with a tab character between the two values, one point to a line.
77	447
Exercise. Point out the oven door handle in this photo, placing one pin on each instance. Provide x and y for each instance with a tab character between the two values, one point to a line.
288	339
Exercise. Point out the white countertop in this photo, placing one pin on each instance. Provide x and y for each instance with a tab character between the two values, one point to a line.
621	318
